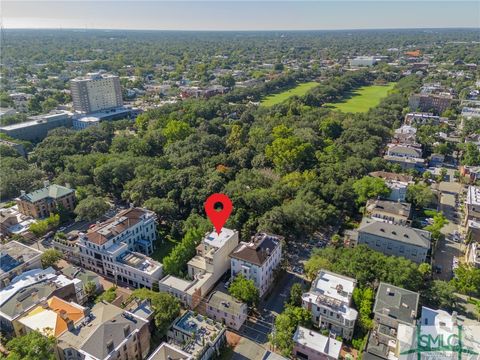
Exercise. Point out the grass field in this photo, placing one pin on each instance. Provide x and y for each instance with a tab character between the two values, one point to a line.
299	90
363	99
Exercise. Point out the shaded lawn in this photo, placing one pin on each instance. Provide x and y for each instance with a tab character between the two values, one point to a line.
164	245
299	90
363	99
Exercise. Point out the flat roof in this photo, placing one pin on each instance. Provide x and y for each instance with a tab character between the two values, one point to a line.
139	262
176	283
317	342
41	119
13	254
226	303
333	285
397	303
218	240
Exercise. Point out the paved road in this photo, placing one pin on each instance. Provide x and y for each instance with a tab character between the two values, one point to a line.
450	196
257	328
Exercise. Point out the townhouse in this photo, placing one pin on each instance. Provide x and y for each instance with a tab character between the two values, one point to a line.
258	260
15	258
225	308
310	345
330	302
392	212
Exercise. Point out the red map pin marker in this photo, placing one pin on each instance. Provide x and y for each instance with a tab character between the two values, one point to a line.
218	217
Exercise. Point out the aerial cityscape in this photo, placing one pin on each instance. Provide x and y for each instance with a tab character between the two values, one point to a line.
180	181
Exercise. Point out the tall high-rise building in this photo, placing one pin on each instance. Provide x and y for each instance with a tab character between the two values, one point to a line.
96	92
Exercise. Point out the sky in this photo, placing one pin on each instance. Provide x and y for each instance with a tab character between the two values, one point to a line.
239	14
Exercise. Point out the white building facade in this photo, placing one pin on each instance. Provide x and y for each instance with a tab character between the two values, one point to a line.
329	300
258	260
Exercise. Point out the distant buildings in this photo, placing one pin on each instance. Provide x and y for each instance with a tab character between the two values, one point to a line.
363	61
15	258
96	92
204	269
390	239
81	122
37	127
42	202
258	260
108	332
330	302
422	118
14	222
198	336
116	248
225	308
436	103
310	345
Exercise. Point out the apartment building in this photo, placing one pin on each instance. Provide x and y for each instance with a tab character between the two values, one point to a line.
394	306
96	92
310	345
15	258
107	333
204	269
30	289
391	239
225	308
258	260
437	103
116	248
330	302
42	202
473	203
197	335
405	151
392	212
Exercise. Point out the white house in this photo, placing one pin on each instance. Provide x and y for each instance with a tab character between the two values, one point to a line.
310	345
225	308
329	300
258	260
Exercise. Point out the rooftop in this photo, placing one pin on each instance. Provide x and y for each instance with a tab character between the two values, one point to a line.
404	234
13	254
199	329
29	293
389	176
169	352
226	303
53	317
258	250
106	327
473	195
50	191
79	273
318	342
114	226
218	240
391	207
396	303
139	262
37	120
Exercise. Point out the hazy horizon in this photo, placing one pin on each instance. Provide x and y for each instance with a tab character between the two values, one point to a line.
240	15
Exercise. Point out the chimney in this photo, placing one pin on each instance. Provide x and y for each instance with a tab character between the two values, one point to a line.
46	183
67	185
22	192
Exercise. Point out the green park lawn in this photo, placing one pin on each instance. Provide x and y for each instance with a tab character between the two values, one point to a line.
299	90
363	99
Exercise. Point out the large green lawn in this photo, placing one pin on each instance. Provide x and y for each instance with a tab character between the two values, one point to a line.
299	90
363	99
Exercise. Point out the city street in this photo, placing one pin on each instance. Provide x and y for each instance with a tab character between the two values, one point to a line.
450	194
